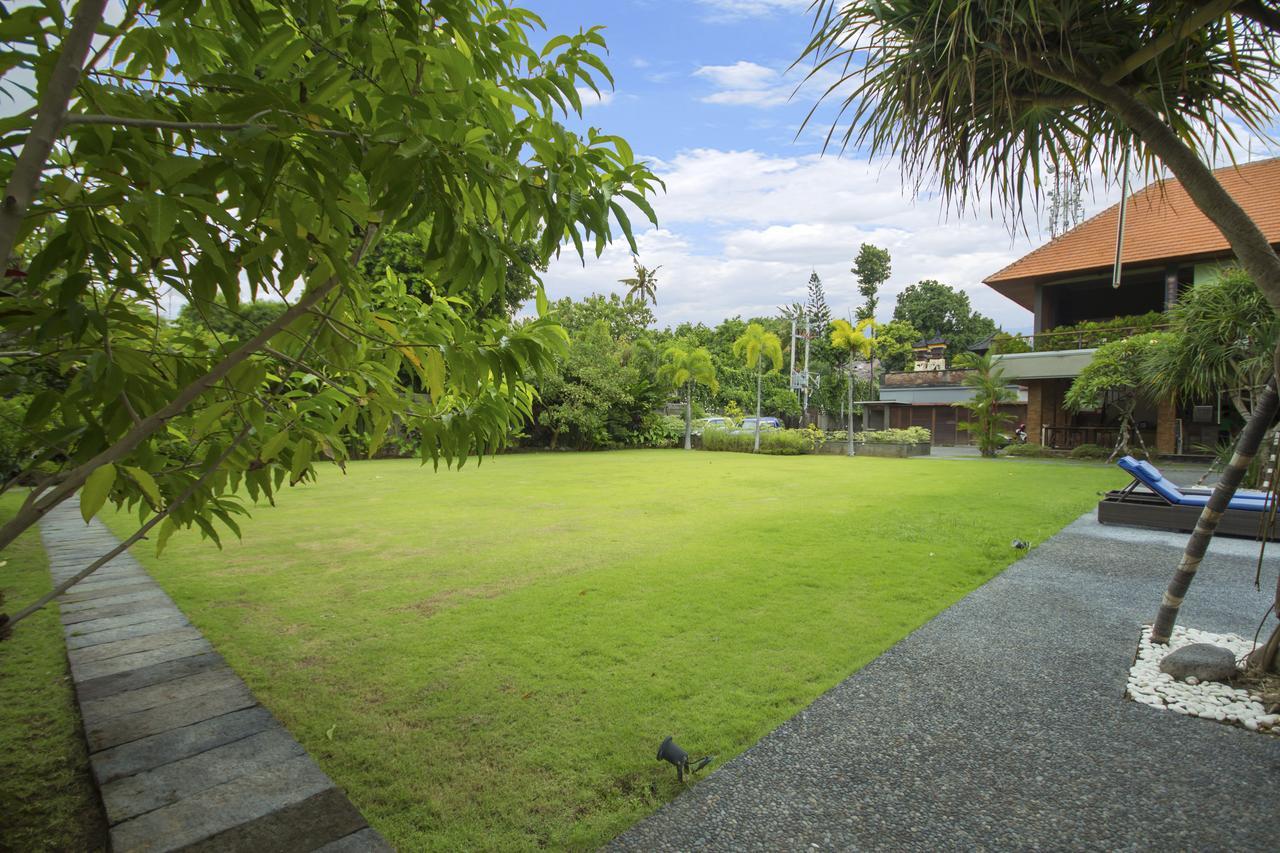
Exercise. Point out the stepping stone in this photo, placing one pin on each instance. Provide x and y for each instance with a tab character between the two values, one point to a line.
184	756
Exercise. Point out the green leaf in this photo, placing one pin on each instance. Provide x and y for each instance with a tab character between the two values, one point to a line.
167	527
95	491
435	373
274	445
147	483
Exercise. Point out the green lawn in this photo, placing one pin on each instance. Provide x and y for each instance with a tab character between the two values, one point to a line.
47	801
489	658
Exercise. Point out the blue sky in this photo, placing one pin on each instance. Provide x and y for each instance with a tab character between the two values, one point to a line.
702	91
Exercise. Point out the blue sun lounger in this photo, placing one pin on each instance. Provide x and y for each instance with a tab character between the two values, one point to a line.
1153	501
1149	475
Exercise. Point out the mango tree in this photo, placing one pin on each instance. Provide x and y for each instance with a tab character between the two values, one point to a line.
218	152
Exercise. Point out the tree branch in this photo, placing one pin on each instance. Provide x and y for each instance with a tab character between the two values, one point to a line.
1167	39
168	124
48	123
7	623
76	477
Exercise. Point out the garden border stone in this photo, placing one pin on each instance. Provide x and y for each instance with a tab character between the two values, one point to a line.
184	756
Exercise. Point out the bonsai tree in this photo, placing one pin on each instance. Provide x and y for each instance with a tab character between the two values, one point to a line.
989	393
683	367
1115	378
755	347
853	344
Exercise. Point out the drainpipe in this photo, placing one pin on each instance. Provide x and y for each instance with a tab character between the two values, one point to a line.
1124	203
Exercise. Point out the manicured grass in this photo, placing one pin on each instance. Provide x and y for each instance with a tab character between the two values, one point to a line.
47	799
489	658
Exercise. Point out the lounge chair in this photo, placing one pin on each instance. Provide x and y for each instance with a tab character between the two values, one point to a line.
1152	500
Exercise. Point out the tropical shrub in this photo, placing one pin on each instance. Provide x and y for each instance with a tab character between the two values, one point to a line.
1090	451
661	431
1096	333
1031	450
777	442
1003	343
15	450
910	435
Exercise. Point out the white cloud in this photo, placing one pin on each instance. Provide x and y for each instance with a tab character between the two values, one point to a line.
750	84
733	10
591	99
741	230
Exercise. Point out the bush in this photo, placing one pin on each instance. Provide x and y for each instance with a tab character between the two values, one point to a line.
1091	451
15	451
776	442
910	435
1032	450
661	431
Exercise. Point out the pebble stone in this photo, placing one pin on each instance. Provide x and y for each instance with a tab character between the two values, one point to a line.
1209	700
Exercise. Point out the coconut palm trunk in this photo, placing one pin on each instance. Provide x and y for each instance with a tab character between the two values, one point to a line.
851	409
1246	449
759	376
688	416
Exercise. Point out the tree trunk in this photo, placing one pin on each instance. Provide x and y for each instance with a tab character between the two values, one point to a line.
1246	448
688	416
1248	242
851	410
759	377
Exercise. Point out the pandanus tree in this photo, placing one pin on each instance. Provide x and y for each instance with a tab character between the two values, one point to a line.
227	151
983	96
854	343
755	347
643	286
684	366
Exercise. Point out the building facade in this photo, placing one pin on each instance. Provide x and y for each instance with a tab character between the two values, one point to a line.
1168	246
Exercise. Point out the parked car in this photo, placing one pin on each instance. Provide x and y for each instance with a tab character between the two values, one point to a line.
749	425
711	422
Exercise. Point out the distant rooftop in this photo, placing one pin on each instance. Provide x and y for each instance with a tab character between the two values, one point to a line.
1161	224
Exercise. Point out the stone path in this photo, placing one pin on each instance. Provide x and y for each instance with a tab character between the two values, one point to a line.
185	758
1001	724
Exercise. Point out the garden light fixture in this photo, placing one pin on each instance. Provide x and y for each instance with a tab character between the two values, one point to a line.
670	752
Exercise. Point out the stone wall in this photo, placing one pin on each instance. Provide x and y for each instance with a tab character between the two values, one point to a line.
919	378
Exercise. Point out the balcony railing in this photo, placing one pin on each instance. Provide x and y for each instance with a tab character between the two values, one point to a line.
1071	339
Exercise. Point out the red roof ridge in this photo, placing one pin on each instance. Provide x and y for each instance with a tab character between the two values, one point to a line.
1148	235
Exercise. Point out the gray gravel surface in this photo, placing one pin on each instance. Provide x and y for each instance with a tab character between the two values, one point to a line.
1001	724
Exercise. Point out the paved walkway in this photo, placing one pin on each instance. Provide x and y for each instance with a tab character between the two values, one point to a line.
184	756
1001	724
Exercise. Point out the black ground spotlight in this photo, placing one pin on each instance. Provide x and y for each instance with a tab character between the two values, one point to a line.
671	753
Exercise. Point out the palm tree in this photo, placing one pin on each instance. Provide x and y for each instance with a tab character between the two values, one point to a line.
854	344
985	95
989	392
684	366
754	347
644	284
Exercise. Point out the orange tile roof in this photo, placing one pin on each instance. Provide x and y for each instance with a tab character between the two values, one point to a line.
1161	223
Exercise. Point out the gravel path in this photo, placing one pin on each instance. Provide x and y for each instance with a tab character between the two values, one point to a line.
1001	724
